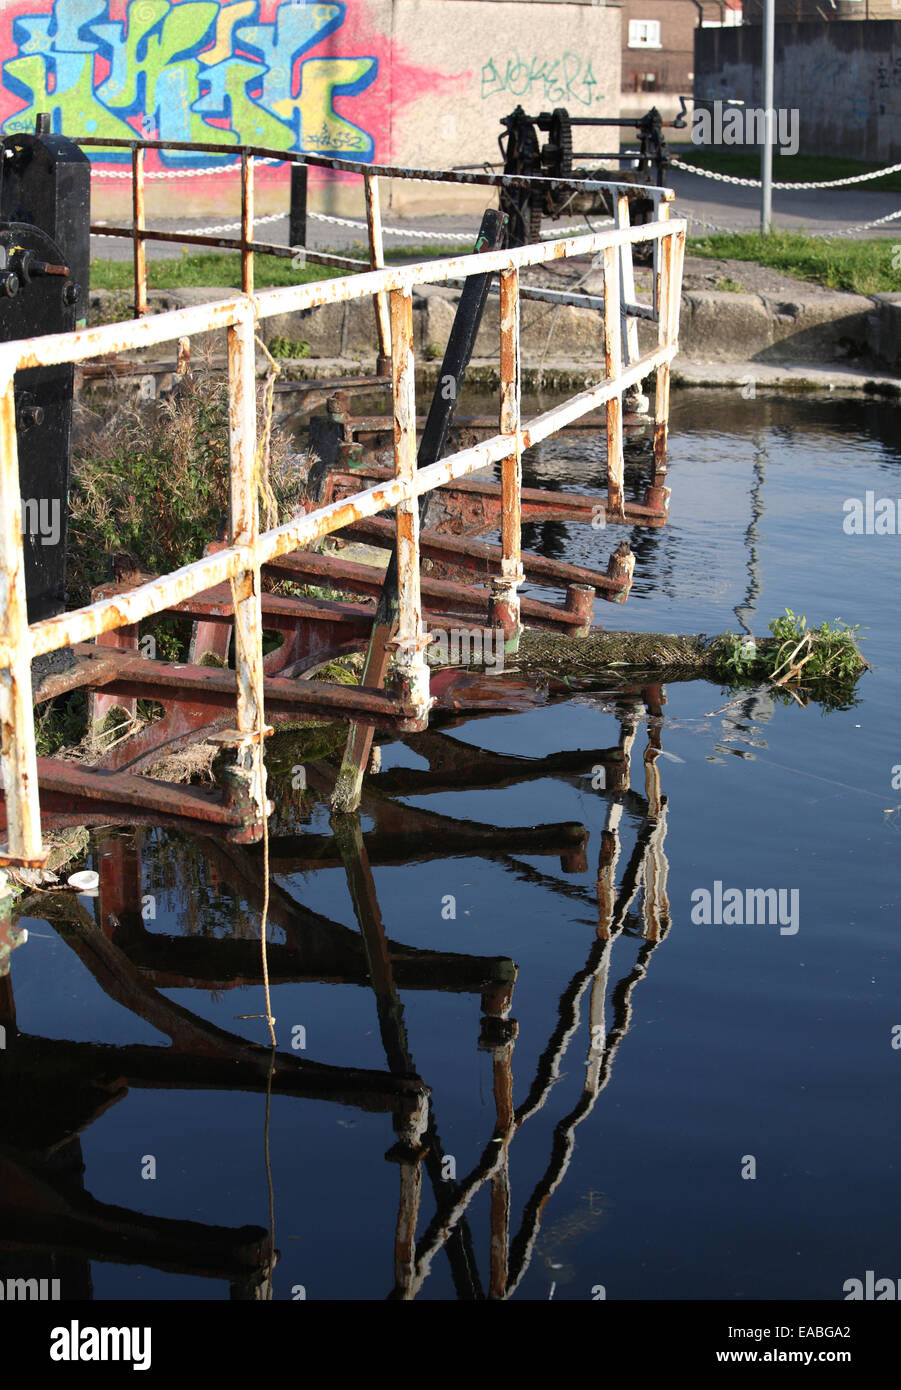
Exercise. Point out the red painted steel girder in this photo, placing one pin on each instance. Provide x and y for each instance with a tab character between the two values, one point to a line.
449	555
471	505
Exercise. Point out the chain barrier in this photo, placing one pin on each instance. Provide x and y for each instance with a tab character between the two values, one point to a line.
824	236
214	231
177	173
795	187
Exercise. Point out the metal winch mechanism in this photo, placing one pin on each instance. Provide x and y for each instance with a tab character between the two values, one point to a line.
524	153
44	265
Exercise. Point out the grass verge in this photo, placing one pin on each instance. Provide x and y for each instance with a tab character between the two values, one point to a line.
222	269
862	267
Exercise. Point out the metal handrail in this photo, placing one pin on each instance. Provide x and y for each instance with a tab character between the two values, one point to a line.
247	548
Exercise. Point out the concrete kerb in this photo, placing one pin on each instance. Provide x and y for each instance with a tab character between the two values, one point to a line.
814	329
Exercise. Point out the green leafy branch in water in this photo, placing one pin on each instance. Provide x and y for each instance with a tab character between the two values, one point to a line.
826	659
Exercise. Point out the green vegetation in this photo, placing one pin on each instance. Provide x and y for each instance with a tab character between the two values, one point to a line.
823	662
796	168
725	282
289	347
860	266
221	269
152	481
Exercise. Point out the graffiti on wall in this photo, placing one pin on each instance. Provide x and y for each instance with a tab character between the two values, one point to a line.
560	81
192	70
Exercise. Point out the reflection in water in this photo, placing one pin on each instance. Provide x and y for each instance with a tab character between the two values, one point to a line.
53	1090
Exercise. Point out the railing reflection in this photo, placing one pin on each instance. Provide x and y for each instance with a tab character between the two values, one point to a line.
52	1090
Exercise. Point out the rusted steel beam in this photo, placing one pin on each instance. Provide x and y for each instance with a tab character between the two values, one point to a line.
17	746
279	612
209	685
476	504
438	596
452	555
75	780
123	639
86	670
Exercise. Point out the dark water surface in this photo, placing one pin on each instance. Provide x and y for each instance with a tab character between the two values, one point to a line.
646	1076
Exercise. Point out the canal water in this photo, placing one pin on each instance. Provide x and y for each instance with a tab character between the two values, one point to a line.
701	1110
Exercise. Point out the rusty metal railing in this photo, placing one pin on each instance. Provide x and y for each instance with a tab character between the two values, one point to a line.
247	549
139	233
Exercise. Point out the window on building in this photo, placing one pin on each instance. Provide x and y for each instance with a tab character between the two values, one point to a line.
644	33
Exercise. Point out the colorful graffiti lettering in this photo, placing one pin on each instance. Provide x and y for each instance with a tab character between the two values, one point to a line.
192	70
559	81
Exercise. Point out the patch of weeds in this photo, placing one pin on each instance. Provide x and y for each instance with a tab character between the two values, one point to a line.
150	482
289	347
800	662
61	723
725	282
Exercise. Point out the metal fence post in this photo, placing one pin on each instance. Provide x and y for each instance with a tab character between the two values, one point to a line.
614	366
247	782
139	249
18	758
246	222
505	608
410	642
377	261
297	215
663	293
626	284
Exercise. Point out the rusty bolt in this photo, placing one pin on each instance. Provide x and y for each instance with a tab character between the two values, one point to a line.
29	415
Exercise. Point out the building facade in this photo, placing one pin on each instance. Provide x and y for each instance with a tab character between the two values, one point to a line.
798	11
658	49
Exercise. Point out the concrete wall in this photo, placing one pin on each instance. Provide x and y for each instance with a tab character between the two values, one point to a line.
392	81
844	79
